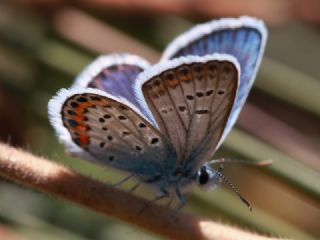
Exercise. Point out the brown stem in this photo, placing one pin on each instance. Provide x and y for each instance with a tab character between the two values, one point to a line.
46	176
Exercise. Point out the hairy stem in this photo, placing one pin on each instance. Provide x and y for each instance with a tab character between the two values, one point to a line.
48	177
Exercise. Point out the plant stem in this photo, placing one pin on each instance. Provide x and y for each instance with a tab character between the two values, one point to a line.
48	177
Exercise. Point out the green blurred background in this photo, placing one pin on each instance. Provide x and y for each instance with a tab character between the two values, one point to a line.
44	44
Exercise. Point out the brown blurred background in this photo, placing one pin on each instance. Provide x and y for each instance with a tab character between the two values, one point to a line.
45	43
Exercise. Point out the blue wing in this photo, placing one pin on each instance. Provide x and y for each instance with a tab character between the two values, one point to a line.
245	38
114	74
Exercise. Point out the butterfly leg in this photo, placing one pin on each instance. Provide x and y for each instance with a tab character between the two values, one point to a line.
169	202
117	184
132	189
181	204
181	199
164	194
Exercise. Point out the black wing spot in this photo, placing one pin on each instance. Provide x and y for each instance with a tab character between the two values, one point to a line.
82	99
104	129
110	138
95	98
106	116
154	140
182	108
74	104
142	125
111	158
125	133
209	93
220	92
122	117
190	97
72	113
200	94
138	148
101	120
102	144
77	141
202	111
164	111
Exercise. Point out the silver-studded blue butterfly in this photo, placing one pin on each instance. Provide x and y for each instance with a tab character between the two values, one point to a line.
162	123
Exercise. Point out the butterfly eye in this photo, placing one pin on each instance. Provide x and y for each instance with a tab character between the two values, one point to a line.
207	178
203	176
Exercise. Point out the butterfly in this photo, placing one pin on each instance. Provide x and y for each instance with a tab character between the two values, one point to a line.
162	123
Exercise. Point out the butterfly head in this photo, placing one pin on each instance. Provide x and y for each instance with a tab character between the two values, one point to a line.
208	178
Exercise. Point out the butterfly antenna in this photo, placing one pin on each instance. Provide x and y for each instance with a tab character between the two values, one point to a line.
224	178
262	163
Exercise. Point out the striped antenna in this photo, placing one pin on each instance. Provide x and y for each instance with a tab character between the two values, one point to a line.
224	178
262	163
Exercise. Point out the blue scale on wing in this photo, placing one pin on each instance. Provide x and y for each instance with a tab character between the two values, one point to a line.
243	42
117	80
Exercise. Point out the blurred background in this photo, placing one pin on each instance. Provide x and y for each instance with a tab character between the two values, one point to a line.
45	43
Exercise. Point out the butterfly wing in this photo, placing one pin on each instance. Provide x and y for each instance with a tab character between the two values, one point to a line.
108	130
191	99
114	74
245	38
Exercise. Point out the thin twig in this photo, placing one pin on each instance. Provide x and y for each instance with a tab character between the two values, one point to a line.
48	177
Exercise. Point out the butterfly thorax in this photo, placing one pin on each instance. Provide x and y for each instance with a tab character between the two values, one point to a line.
179	177
183	178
